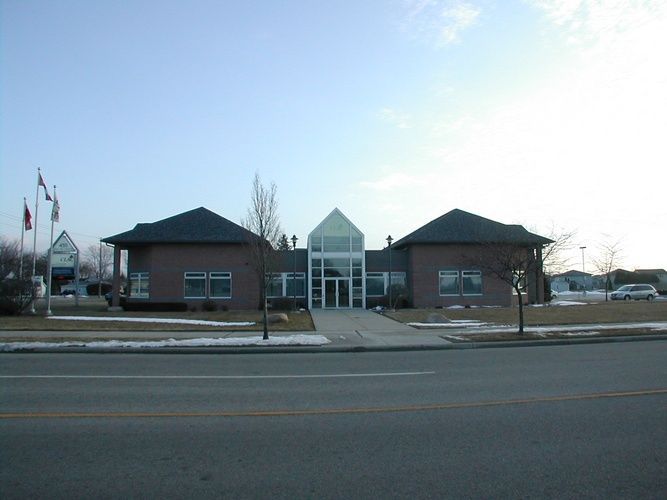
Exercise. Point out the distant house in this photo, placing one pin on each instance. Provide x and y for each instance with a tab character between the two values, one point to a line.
198	255
571	281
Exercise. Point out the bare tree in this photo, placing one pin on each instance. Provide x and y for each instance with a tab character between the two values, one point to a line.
98	261
520	266
511	265
262	220
608	258
555	258
10	256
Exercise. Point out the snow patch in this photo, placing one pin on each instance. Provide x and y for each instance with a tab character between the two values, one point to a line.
172	321
291	340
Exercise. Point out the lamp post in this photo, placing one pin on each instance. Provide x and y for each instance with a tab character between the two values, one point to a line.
294	240
583	266
389	240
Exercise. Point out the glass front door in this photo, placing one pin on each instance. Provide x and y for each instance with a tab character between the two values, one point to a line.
336	293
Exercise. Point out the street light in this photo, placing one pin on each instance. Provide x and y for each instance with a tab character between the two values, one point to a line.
294	240
583	266
389	240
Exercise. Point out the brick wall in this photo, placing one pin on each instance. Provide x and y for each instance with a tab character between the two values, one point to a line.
167	265
424	264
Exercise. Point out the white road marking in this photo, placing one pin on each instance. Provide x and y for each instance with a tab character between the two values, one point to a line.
218	377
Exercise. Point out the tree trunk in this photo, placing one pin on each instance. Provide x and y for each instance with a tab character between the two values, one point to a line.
265	318
518	292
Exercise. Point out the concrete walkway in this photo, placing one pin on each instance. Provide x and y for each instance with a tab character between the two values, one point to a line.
355	320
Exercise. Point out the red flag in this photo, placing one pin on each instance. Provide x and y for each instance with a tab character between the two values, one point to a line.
40	182
27	217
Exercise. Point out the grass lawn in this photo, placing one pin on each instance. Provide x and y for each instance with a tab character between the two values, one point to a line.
593	313
93	306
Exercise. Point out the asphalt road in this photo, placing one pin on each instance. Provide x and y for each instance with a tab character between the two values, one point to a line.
564	421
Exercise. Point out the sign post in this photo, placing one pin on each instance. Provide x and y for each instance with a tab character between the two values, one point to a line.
65	261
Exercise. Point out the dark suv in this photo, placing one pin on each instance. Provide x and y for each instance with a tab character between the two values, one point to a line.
635	292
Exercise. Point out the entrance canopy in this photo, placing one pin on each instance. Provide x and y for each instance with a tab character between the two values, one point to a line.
336	264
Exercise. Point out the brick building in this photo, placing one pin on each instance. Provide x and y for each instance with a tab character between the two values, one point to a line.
198	255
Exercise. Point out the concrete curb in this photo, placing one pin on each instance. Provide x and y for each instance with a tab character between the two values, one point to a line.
326	349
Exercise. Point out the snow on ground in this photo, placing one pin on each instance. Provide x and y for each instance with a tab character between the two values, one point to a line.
172	321
456	323
290	340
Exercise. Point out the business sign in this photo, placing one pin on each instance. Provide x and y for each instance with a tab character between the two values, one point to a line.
64	258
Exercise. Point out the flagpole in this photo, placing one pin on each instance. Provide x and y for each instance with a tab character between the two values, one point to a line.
22	236
34	240
49	272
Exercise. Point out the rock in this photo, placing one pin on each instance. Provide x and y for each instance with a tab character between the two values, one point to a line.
436	318
278	318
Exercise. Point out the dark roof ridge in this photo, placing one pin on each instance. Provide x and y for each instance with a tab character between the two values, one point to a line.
459	226
199	225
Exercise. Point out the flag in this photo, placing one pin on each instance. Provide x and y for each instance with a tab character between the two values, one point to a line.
40	182
27	217
55	211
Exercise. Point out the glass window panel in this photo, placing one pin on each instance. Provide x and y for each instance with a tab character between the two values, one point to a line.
472	282
357	303
449	282
139	284
317	283
336	262
336	272
356	262
317	293
275	288
300	284
317	303
317	272
375	285
195	286
316	262
357	282
398	279
221	285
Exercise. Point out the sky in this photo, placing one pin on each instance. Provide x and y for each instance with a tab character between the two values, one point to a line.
546	113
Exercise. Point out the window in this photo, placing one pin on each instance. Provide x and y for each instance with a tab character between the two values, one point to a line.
195	286
472	282
300	284
275	288
375	284
282	285
139	283
220	285
449	282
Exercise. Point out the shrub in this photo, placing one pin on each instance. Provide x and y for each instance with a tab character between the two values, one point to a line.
15	296
285	303
156	306
209	306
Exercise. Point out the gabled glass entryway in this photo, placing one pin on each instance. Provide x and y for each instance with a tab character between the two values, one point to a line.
336	264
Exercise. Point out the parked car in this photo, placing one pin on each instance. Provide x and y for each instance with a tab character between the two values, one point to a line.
109	297
635	292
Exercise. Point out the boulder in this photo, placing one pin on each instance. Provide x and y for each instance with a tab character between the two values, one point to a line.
437	318
278	318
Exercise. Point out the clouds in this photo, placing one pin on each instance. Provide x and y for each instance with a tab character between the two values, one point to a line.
439	22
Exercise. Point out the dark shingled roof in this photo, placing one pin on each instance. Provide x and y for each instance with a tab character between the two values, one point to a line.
462	227
196	226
